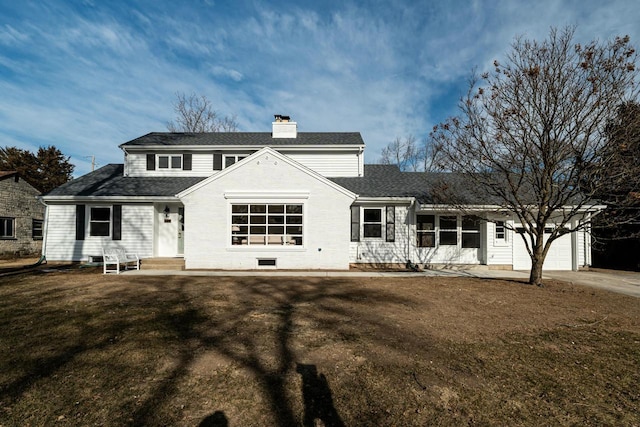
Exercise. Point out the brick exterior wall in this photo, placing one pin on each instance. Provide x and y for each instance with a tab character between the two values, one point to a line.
18	201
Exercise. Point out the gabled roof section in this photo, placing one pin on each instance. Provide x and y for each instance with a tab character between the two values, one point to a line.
254	139
275	154
108	181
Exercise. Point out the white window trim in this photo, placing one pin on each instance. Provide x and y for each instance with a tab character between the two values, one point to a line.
236	158
169	160
13	228
470	231
382	223
262	201
434	231
447	230
496	240
88	222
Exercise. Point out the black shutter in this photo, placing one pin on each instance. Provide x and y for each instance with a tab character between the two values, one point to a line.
151	162
80	222
217	161
391	223
355	223
186	162
117	222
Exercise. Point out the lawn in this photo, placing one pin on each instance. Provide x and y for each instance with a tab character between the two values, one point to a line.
79	348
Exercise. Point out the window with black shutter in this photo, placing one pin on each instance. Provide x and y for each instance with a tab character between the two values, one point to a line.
116	219
217	161
186	162
391	224
355	223
80	213
151	162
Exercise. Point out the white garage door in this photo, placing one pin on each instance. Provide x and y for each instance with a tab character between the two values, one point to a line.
558	257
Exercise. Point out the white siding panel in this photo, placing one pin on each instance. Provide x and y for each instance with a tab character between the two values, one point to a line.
378	251
336	164
330	164
499	252
137	233
325	228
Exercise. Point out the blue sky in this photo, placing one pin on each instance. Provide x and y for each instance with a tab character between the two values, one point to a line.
88	75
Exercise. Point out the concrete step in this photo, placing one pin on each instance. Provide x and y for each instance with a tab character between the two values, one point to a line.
162	264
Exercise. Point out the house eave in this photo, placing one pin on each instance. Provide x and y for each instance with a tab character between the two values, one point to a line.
236	147
92	199
384	200
499	208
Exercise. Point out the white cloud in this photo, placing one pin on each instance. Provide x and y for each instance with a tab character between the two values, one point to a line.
91	77
219	71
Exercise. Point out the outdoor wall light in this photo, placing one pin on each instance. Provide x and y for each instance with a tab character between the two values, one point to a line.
167	211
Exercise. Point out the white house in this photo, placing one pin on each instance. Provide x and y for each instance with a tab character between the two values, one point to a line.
282	199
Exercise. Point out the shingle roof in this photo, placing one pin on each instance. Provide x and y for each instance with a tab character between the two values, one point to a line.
244	138
426	187
109	181
378	181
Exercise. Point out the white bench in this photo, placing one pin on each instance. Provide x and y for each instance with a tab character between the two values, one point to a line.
116	259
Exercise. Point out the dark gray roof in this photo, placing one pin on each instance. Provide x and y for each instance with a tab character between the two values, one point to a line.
378	181
244	138
109	181
426	187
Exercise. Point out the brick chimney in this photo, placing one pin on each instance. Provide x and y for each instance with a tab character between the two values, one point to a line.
283	127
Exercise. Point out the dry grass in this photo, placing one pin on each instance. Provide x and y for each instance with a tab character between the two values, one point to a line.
78	348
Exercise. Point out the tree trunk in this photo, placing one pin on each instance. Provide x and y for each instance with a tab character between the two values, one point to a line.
535	277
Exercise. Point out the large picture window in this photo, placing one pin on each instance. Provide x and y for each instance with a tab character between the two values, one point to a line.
7	228
372	221
266	224
99	221
426	231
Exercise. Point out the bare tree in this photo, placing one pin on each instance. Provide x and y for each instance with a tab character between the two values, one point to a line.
196	114
398	152
409	155
533	130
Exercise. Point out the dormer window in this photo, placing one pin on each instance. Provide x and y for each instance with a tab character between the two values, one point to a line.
169	161
231	159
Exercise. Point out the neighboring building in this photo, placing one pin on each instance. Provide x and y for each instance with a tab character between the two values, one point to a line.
21	217
282	199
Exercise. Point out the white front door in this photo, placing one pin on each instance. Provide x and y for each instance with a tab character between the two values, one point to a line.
169	231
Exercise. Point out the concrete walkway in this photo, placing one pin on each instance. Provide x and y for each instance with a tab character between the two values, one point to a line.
496	274
624	282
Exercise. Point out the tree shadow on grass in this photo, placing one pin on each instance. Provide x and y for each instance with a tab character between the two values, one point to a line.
178	310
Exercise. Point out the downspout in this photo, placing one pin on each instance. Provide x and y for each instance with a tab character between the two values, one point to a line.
587	234
409	239
45	230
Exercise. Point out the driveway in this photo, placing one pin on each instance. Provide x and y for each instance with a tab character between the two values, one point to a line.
623	282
